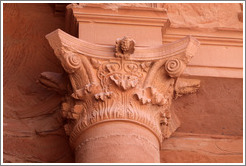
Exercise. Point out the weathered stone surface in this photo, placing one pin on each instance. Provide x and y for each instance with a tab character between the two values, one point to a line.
32	124
202	148
217	108
204	16
186	86
220	33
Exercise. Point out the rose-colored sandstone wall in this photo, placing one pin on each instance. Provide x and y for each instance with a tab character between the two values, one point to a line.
211	124
32	126
33	130
204	16
218	27
216	109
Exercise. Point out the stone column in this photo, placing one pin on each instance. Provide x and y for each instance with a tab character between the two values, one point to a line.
117	98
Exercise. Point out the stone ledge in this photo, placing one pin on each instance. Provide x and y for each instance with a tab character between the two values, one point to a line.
202	148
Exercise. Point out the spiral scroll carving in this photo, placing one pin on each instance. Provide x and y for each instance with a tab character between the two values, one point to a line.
73	62
174	67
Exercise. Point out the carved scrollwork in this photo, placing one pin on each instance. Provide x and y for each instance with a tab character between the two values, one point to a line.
130	67
174	67
71	63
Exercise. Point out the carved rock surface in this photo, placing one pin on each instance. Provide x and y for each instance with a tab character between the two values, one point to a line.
202	148
204	16
216	109
186	86
32	124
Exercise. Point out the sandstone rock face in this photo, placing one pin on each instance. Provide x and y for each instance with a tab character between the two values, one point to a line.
215	109
211	127
219	29
204	16
32	125
202	148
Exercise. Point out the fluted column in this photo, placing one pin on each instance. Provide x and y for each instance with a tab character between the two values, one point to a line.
117	99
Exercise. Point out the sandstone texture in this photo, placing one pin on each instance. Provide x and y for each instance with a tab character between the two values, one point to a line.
211	120
204	16
32	124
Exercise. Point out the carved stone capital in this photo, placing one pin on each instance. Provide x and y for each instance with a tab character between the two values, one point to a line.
121	83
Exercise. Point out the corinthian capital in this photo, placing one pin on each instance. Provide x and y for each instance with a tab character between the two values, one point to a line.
121	83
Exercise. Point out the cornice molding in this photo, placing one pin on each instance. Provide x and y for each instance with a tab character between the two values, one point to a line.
218	37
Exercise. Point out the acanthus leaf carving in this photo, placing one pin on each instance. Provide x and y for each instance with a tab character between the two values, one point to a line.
82	93
151	95
124	81
103	95
145	66
95	63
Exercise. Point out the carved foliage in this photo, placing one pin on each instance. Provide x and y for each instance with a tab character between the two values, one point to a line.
151	95
124	74
121	95
145	66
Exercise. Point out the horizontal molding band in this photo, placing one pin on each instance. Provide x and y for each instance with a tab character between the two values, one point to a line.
110	16
219	67
214	36
207	40
213	71
153	7
121	19
123	23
